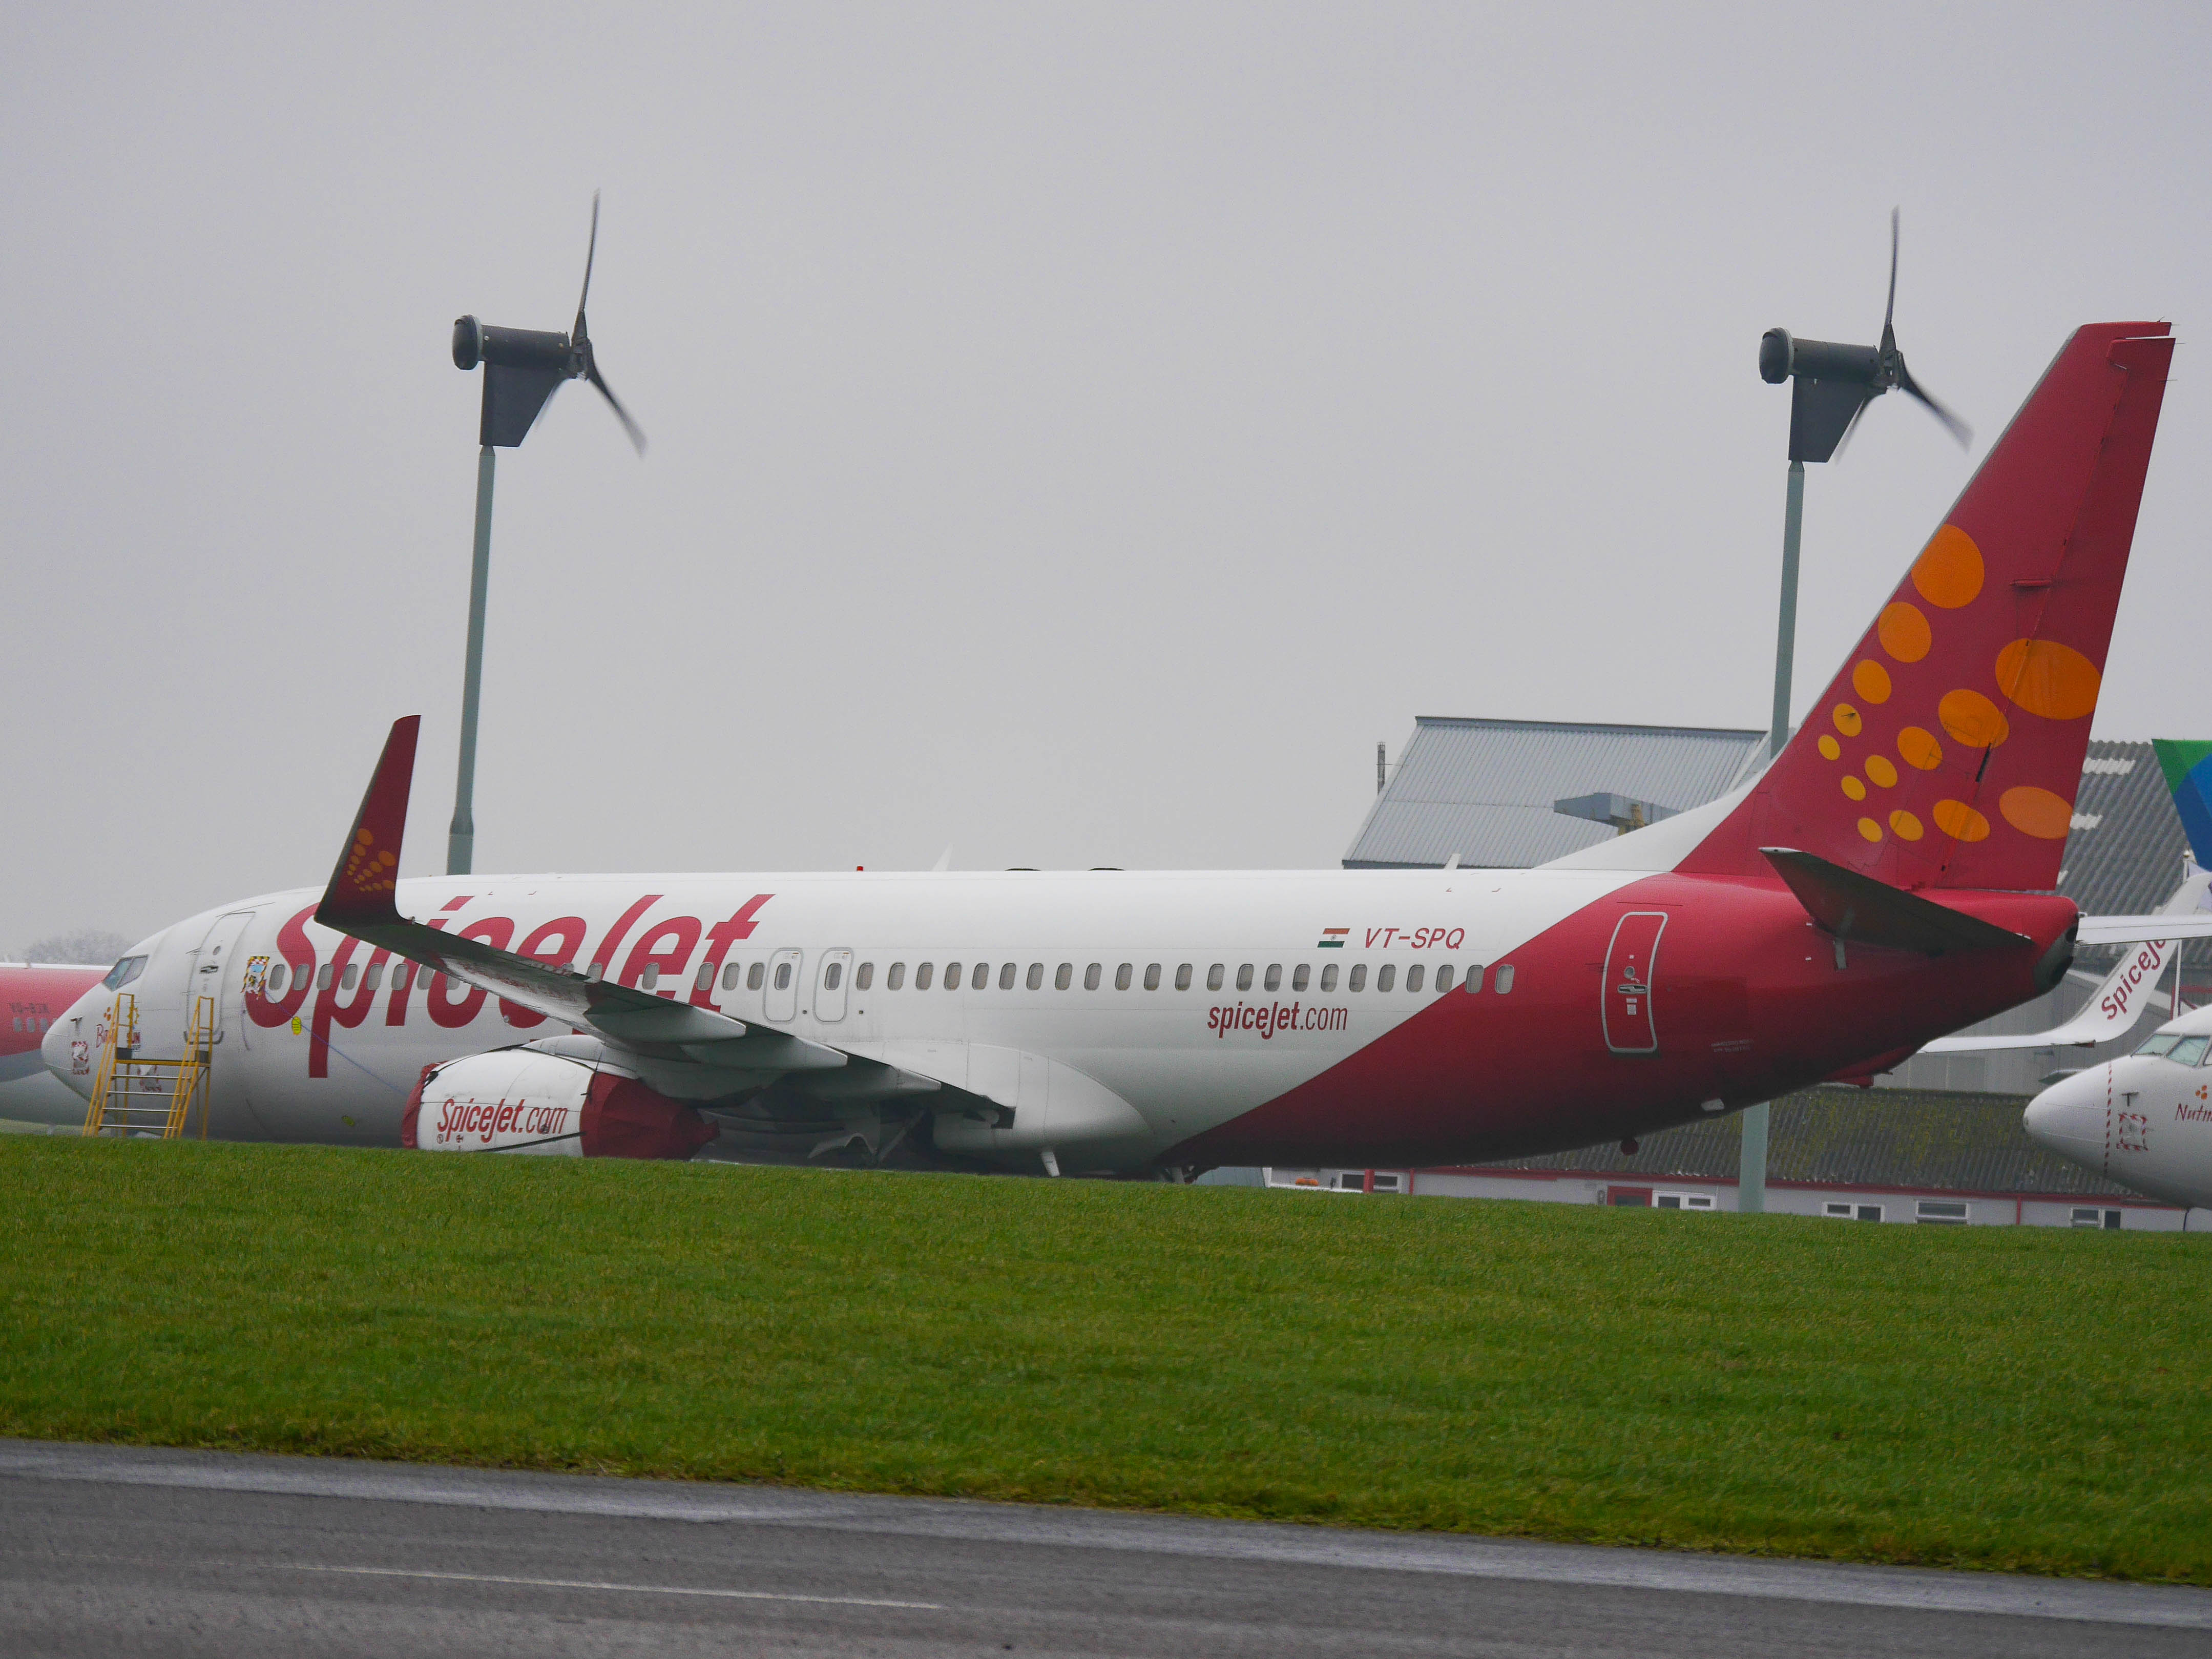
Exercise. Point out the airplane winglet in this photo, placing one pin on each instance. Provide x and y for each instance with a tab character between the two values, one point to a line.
367	874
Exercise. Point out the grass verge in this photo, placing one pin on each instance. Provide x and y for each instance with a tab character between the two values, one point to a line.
2019	1398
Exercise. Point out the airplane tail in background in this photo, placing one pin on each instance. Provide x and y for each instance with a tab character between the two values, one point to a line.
2188	769
1947	751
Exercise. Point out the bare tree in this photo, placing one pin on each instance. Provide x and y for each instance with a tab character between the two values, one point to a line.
93	945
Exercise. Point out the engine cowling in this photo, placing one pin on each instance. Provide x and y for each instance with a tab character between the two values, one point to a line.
524	1100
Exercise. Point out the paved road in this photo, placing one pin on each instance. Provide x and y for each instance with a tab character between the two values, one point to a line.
108	1551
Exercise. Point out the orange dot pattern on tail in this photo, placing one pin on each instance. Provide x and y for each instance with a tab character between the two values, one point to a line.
2038	812
1949	572
2029	677
1960	822
1972	718
2047	678
1903	632
369	870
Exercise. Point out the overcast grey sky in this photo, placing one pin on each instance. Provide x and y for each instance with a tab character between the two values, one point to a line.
1079	433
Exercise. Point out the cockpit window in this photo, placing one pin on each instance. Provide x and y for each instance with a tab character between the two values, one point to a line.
124	972
2189	1051
2160	1044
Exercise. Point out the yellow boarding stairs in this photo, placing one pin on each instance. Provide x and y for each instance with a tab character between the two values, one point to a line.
134	1095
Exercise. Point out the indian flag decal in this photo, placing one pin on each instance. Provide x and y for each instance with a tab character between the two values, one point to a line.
1332	939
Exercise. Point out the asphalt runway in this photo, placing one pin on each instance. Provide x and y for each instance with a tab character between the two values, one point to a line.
124	1551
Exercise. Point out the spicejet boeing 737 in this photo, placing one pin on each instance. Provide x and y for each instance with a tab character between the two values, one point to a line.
1883	882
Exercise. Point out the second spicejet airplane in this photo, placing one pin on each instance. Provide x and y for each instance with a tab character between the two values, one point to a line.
1883	882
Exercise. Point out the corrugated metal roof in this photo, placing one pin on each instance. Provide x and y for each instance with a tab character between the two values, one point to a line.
2123	857
1483	789
1908	1138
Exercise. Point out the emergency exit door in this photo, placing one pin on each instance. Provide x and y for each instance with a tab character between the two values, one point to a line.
1625	998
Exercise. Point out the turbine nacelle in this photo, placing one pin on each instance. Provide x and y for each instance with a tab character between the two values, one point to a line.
524	367
1834	382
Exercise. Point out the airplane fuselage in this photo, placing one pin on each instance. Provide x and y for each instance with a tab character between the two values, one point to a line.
1125	1020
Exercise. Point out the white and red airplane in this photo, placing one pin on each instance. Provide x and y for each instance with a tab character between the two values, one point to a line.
1885	881
35	994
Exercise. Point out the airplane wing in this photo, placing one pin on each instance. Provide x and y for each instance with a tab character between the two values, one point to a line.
2118	1003
359	900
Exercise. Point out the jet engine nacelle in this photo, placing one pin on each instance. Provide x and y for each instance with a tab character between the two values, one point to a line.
527	1100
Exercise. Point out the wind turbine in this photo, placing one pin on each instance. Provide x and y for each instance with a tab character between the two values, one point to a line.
523	369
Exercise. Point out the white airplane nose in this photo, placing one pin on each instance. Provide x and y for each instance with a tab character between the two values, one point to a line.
59	1048
2070	1114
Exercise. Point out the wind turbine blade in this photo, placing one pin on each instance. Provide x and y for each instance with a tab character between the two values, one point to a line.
1851	426
614	403
590	253
1957	427
1889	310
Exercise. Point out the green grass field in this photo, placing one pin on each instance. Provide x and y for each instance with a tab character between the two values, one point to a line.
2005	1397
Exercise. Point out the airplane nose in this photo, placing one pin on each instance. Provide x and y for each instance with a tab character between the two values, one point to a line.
2070	1114
58	1048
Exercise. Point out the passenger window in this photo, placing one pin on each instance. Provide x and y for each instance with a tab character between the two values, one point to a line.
865	977
1413	975
923	971
1444	979
1035	981
1473	982
952	975
783	977
896	976
1006	976
277	981
1091	976
1386	976
1244	976
1274	979
375	976
323	977
1328	978
1359	976
1122	976
704	979
2163	1043
831	974
299	972
982	976
1182	977
753	975
730	971
1214	977
1504	977
651	978
1151	976
1063	976
1299	977
2189	1051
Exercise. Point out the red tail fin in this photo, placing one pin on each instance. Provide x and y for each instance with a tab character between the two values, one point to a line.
362	887
1947	751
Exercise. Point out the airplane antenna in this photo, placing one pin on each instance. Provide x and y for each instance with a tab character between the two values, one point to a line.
523	369
1831	386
